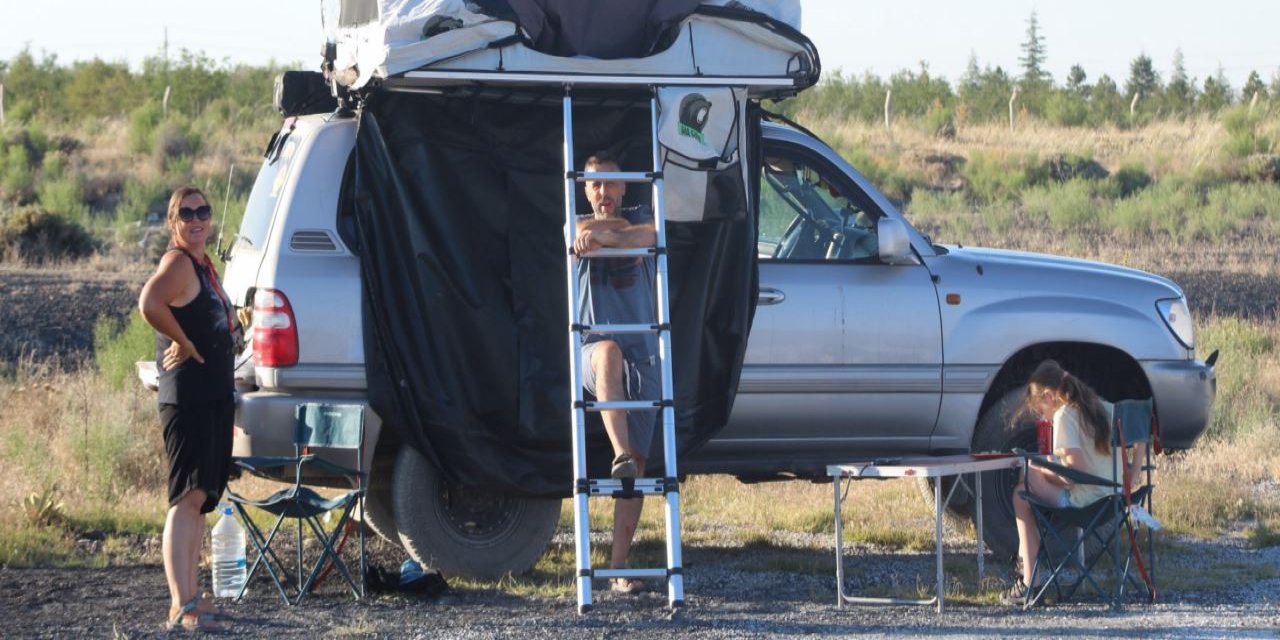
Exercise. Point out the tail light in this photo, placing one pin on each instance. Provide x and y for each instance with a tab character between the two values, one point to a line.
275	332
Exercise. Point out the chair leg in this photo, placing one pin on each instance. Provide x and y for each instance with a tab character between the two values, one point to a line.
266	555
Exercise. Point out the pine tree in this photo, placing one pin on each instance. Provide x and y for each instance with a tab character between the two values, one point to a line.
1033	56
1143	79
1180	93
1253	86
1217	92
1076	80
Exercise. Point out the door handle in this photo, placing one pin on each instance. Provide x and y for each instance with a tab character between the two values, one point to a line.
771	296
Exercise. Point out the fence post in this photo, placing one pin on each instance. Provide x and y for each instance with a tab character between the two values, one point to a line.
1012	99
888	106
165	102
1	105
1252	103
1133	104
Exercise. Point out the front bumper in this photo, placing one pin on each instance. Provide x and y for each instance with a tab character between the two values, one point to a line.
1184	391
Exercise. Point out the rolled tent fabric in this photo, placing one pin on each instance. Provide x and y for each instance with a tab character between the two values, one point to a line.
606	29
459	206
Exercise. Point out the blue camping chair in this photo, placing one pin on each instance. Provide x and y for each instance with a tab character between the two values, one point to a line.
1107	525
332	430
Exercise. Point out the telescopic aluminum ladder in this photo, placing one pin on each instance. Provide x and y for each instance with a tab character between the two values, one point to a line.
584	487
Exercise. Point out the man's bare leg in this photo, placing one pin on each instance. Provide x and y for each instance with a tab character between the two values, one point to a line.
626	517
607	363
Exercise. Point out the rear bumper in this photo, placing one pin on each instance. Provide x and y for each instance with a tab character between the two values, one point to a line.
264	423
1184	391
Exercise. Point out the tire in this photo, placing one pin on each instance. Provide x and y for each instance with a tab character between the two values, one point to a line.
958	516
379	515
997	431
465	533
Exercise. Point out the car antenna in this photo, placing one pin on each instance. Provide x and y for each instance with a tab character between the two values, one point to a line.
222	226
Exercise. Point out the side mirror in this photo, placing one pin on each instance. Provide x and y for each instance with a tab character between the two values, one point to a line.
895	244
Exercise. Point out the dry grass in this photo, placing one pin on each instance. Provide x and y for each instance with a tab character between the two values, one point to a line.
1165	147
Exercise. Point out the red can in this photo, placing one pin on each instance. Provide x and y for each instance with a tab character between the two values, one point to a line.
1044	436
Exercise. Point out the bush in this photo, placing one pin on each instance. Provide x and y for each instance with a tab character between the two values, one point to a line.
118	345
17	180
142	127
1130	179
65	197
1243	135
1067	206
1065	167
173	140
991	179
139	198
38	236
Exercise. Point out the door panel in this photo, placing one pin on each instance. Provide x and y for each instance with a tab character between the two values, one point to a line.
845	354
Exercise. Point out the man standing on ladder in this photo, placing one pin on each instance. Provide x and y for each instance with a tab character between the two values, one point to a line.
619	366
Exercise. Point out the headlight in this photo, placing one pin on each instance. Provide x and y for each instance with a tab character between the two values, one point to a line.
1176	316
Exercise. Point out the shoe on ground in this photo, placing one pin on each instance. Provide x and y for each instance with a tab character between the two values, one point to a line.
628	585
624	466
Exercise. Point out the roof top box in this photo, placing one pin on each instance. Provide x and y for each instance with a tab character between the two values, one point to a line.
754	45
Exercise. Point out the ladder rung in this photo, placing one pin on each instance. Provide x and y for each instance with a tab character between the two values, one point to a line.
620	405
629	573
622	253
608	487
621	328
615	176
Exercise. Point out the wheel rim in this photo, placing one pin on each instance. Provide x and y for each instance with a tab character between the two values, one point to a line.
477	518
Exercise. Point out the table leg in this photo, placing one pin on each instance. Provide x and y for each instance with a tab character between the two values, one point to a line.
937	532
835	482
982	547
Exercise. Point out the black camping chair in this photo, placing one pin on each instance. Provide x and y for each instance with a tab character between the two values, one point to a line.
1108	521
336	431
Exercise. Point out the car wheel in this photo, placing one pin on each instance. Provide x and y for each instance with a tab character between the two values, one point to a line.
958	516
379	515
467	533
998	430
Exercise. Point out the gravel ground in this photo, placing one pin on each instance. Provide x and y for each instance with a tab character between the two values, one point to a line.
48	314
727	597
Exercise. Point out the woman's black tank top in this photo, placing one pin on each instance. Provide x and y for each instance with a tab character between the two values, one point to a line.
207	322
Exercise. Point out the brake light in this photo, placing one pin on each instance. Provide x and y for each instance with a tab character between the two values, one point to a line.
275	333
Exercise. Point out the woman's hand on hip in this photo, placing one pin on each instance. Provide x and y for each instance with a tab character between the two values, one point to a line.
180	352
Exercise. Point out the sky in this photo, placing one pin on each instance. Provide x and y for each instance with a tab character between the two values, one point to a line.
880	36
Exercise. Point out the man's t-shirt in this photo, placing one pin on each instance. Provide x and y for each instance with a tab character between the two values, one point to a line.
620	291
1068	433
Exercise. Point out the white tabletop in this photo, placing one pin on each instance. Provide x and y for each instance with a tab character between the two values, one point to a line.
923	467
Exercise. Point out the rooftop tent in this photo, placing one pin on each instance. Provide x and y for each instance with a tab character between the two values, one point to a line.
458	197
708	40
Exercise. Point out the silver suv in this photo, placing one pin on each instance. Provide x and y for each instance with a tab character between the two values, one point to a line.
868	340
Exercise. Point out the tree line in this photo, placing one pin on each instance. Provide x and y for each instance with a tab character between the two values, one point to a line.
993	94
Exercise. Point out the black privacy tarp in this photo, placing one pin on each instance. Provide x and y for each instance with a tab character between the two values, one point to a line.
606	29
459	209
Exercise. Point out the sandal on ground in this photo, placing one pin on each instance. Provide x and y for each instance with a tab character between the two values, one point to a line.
624	466
1018	594
628	585
208	607
187	619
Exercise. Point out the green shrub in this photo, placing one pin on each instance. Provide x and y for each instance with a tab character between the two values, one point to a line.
118	345
142	127
1130	179
940	121
173	140
37	236
1243	135
992	179
65	197
139	197
17	180
1067	206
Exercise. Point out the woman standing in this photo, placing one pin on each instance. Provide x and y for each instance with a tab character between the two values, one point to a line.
1081	440
194	353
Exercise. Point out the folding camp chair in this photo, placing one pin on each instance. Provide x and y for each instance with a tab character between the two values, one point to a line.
335	431
1107	524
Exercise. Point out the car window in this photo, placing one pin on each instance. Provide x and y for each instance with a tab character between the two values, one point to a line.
808	214
265	193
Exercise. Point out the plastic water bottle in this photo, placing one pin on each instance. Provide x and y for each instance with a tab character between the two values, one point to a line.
229	566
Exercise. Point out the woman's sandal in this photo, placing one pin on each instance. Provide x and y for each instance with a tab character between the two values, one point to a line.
210	608
187	619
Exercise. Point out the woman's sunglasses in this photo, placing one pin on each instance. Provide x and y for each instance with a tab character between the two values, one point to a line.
203	212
